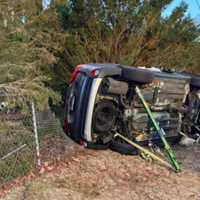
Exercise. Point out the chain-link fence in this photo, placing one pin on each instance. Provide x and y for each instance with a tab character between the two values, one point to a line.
53	142
28	137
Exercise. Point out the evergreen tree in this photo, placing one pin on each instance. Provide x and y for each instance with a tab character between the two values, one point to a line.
39	48
130	32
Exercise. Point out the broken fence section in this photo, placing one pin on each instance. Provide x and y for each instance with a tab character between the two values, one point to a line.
28	137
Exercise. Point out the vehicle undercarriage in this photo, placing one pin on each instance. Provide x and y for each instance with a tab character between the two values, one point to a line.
102	100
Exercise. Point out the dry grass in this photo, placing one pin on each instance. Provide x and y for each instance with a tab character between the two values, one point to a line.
108	175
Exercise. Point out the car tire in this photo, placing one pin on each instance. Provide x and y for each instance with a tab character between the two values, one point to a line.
195	81
91	145
123	148
138	75
101	124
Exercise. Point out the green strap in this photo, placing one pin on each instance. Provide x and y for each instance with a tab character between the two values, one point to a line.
142	149
160	132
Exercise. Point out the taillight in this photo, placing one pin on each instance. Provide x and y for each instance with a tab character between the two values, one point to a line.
77	70
94	73
75	73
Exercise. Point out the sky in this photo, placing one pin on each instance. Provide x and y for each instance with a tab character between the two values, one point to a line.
193	8
45	3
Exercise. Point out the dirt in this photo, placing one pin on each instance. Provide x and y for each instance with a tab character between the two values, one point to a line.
103	175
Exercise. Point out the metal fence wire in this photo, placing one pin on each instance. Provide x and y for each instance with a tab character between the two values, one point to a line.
20	149
17	152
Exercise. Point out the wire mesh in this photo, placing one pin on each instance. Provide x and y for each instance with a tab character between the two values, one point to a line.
52	139
17	140
17	154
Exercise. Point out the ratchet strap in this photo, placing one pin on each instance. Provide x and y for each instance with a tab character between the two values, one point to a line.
160	131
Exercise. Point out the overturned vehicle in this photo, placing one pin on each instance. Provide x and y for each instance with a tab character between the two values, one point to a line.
102	100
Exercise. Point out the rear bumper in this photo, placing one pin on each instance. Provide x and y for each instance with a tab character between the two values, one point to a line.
80	128
90	107
76	122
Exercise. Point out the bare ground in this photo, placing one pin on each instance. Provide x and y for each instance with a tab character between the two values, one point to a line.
103	175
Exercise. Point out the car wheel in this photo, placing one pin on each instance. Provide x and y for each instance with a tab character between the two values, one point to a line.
123	148
195	81
95	146
104	116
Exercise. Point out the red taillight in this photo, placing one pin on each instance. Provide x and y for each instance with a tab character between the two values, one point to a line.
94	72
75	73
77	70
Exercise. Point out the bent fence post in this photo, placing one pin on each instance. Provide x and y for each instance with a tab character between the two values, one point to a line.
13	152
36	134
